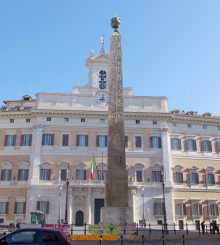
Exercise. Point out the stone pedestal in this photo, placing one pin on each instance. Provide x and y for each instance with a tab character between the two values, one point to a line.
116	215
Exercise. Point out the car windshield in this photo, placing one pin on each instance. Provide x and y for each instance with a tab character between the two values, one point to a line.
22	236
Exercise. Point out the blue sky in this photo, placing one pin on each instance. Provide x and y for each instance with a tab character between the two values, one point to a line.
170	47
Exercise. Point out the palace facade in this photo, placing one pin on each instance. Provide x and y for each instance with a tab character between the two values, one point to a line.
53	137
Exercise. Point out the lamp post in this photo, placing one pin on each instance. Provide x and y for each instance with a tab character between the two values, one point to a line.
164	204
143	214
59	211
67	197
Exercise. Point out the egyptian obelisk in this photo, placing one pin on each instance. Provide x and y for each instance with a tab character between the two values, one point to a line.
116	209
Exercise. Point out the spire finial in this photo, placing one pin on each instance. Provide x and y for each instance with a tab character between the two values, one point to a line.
102	45
115	23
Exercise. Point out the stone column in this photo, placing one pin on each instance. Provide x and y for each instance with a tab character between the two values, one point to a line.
168	176
36	155
167	157
89	203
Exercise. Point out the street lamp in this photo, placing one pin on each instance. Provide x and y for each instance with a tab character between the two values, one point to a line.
67	199
164	204
143	215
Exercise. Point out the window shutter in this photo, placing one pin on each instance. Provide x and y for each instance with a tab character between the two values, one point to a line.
159	142
200	209
30	140
24	208
6	139
189	210
184	209
49	174
15	209
7	208
106	140
84	177
205	211
47	207
38	205
86	140
77	140
97	140
52	139
21	140
14	140
151	142
174	177
43	139
203	180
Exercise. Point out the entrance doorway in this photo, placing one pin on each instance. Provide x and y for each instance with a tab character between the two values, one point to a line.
99	203
79	218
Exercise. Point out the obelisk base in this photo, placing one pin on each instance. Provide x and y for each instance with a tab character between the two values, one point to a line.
116	215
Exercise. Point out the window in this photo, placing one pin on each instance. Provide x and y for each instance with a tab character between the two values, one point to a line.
11	120
204	126
48	139
45	174
102	120
179	210
101	174
139	176
189	125
154	122
212	209
210	178
20	207
3	207
48	119
155	142
158	207
26	140
82	140
190	145
194	180
66	119
83	120
63	174
6	174
218	127
22	237
137	121
206	146
23	174
102	81
196	209
81	174
138	141
217	146
101	141
156	176
28	120
126	141
10	140
43	206
65	140
175	144
178	177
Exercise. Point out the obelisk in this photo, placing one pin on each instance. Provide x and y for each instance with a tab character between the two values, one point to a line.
116	209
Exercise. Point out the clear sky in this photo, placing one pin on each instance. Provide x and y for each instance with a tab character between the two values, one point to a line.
170	47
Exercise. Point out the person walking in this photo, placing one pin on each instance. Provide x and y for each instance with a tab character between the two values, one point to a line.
203	227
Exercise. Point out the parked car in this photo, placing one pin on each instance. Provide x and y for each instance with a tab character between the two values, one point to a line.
38	236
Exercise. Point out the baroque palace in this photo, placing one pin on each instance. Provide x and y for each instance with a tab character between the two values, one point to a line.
55	136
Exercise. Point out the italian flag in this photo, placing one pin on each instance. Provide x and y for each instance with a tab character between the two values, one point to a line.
93	169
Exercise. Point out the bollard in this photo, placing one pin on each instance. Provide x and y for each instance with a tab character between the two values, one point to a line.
163	239
187	231
85	229
100	240
149	229
142	239
174	228
121	239
183	239
71	229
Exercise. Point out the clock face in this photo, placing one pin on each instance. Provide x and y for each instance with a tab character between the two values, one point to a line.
102	81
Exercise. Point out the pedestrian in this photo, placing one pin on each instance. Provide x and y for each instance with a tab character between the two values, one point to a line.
203	227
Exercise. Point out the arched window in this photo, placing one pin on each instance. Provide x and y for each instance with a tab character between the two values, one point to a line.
6	172
45	172
210	177
176	144
190	145
178	175
81	173
206	146
156	175
194	177
79	218
139	172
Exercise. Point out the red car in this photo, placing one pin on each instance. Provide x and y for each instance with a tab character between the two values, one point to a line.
35	236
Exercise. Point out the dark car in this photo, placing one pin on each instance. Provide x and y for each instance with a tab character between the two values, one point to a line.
35	236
